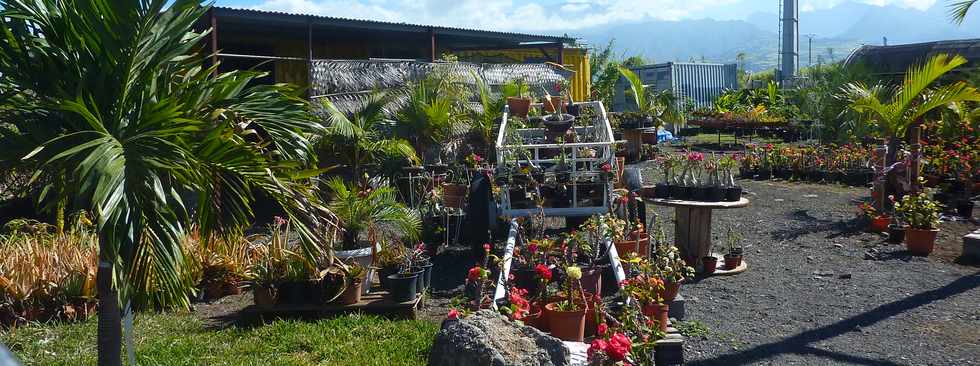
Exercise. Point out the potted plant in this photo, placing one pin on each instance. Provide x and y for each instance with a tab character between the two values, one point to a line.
354	277
388	261
420	261
728	164
734	257
567	316
668	264
922	215
518	100
667	163
708	264
301	282
877	222
712	167
897	227
556	103
370	209
646	288
403	286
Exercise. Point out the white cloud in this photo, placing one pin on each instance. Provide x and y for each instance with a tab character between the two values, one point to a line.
524	15
506	15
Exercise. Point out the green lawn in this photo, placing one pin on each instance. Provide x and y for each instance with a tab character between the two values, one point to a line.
181	339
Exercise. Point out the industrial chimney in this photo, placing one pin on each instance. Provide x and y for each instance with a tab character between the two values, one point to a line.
790	52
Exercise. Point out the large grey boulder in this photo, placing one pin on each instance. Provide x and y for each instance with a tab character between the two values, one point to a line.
487	338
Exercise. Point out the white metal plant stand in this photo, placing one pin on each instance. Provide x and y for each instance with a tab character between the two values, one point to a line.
524	147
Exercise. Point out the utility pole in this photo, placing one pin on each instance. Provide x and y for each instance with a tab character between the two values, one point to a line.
809	49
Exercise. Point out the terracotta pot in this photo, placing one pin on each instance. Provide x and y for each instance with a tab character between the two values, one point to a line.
659	313
732	261
232	288
567	325
549	104
880	224
710	264
263	296
669	293
454	195
519	106
351	295
535	318
920	242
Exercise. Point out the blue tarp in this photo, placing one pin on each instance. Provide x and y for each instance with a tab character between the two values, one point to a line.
664	135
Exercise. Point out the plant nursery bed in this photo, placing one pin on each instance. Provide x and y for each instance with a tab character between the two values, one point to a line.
377	302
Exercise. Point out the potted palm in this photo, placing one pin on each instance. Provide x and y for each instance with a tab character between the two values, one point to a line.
354	277
373	210
922	215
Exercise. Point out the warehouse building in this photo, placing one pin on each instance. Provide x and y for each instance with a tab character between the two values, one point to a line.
698	84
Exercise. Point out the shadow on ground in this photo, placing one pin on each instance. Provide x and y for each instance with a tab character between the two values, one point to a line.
801	344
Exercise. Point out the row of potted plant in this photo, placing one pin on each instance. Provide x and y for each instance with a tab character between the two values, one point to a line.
695	176
849	164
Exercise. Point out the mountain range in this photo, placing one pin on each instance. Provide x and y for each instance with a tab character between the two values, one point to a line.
835	33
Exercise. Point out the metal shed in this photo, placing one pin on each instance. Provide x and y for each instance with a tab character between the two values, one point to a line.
698	83
895	60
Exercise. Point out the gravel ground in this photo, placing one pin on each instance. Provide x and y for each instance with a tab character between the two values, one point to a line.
811	295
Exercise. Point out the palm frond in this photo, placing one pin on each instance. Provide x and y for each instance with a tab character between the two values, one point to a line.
958	10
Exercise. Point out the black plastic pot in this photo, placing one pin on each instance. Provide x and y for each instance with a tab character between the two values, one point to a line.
525	278
700	194
661	191
383	274
425	278
746	173
715	194
965	209
300	292
676	191
733	194
686	193
896	233
558	125
403	286
763	174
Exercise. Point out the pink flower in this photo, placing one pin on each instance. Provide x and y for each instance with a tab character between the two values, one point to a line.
453	314
606	167
619	347
602	328
533	247
486	247
279	220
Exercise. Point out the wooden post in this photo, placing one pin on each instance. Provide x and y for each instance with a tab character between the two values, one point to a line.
692	227
432	38
214	39
309	56
915	134
561	53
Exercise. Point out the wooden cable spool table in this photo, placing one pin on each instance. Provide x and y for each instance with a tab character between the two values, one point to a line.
692	226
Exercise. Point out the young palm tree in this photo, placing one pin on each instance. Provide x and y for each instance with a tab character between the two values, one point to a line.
896	109
487	115
111	96
360	138
431	118
373	210
661	106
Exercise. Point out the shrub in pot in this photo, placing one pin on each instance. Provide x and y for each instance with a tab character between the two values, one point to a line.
300	282
567	317
733	258
518	99
646	288
667	263
922	215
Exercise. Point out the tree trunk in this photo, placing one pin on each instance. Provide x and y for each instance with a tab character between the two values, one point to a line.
110	316
915	134
890	156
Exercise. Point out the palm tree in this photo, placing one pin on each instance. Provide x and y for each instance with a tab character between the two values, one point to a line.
959	9
111	96
371	209
360	138
897	109
661	106
431	118
486	116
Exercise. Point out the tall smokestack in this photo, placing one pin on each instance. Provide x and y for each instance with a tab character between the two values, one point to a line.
791	39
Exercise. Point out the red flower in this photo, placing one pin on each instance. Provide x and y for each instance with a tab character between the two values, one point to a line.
486	247
602	328
543	272
533	247
474	274
453	314
619	347
597	346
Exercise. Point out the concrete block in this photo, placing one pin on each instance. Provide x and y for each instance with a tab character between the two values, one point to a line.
676	309
669	351
971	245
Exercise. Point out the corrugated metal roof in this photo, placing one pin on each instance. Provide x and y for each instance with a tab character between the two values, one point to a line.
897	58
362	23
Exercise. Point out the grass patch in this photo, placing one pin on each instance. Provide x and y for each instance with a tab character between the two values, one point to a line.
181	339
693	329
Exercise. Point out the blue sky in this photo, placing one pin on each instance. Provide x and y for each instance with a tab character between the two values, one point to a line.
539	15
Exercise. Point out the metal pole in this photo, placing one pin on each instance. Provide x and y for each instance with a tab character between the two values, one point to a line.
432	37
214	39
309	56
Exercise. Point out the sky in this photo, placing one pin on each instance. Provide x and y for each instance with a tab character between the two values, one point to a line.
540	15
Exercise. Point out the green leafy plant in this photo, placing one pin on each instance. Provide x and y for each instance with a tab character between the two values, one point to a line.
361	137
919	211
371	210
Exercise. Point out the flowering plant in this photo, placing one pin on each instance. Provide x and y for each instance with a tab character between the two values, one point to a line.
919	211
518	307
609	349
473	160
666	260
